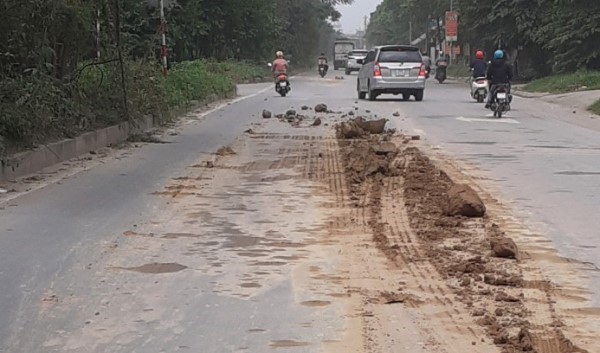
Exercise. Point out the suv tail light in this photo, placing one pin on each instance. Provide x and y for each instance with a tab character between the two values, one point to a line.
377	70
422	72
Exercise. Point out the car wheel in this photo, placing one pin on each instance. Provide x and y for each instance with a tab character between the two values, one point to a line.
361	95
405	96
348	72
419	95
372	94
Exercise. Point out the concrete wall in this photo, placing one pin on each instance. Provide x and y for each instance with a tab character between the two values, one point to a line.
33	161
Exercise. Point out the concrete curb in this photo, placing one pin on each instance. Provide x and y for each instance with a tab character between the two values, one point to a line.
33	161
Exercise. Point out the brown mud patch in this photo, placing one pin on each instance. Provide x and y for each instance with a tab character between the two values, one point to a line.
155	268
443	223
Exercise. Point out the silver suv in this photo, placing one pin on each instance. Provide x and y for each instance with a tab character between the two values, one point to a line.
353	57
393	69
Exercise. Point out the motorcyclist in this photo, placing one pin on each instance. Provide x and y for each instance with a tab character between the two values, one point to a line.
280	65
427	63
479	65
441	64
322	60
499	72
442	61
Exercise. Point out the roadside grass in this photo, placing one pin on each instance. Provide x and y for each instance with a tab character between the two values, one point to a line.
577	81
39	109
595	108
202	80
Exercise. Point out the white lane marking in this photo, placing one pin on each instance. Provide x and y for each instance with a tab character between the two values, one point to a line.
490	120
225	104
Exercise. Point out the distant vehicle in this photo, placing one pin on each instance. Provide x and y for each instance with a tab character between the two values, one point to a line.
392	69
354	55
341	48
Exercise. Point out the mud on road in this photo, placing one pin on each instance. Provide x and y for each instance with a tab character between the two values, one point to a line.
369	241
455	258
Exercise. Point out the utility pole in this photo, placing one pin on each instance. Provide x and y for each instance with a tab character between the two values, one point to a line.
410	31
98	34
451	44
163	30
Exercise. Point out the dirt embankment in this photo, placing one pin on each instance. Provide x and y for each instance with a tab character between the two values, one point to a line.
470	252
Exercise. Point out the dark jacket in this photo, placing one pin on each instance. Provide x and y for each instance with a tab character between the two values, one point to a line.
479	67
499	72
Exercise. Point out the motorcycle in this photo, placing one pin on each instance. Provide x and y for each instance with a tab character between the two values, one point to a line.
501	100
322	70
440	72
282	85
479	89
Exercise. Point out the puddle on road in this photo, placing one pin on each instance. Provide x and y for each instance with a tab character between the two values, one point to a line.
316	303
287	344
494	156
250	285
155	268
242	241
576	173
179	235
473	142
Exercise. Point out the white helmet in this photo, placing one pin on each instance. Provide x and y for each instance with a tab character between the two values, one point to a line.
279	54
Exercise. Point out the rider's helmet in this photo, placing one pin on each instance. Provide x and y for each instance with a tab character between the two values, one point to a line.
322	54
479	54
279	54
498	54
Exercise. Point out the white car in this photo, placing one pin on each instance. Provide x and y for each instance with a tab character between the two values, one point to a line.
353	56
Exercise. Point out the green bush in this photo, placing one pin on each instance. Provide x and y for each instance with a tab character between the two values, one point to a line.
595	108
37	109
581	80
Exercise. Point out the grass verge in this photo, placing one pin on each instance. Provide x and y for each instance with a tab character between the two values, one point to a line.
595	108
578	81
38	109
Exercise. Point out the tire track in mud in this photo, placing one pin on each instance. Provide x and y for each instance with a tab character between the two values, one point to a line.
401	206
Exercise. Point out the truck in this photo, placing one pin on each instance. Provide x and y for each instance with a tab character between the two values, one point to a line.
341	48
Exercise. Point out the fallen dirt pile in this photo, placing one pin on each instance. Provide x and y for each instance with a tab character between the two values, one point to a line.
477	260
360	128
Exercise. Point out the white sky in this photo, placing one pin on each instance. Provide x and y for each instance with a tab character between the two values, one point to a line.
353	15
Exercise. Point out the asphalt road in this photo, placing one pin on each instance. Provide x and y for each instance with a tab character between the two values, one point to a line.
537	156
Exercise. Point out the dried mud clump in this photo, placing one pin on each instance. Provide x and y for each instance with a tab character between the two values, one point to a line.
462	200
321	108
225	151
358	128
504	248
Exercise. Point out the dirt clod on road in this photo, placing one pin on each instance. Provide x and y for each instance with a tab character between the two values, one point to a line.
321	108
504	247
462	200
225	151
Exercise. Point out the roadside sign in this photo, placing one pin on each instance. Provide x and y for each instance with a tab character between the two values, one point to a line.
455	49
451	26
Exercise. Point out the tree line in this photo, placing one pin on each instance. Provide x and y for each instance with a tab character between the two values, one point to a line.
542	36
68	65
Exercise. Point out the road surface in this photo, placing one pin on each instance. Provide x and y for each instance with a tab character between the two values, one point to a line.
149	249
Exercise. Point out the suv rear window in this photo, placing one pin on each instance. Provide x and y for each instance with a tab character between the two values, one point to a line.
399	55
359	52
